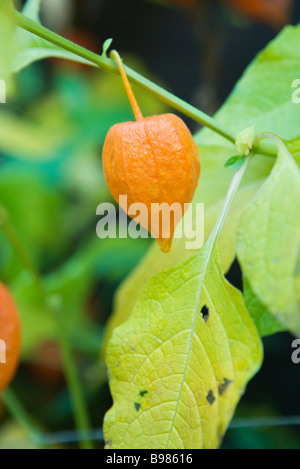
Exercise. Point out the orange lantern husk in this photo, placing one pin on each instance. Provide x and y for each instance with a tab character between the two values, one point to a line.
153	161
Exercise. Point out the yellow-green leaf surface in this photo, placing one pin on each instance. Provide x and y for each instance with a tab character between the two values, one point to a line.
294	147
265	322
269	242
216	182
261	98
34	140
179	365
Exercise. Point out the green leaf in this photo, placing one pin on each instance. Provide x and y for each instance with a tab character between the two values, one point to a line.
235	162
27	139
106	46
269	242
294	148
265	322
211	192
263	96
29	48
180	364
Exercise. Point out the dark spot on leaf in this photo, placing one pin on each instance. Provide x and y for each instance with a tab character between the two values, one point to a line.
210	398
143	393
205	313
137	406
224	386
109	443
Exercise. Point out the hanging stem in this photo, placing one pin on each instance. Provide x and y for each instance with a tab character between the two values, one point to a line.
56	307
137	112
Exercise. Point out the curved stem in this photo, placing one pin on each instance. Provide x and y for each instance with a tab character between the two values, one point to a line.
268	135
109	65
271	136
135	78
137	112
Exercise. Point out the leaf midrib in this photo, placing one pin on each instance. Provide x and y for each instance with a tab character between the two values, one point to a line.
191	339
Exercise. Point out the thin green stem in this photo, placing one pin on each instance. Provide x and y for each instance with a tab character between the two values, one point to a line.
110	65
56	307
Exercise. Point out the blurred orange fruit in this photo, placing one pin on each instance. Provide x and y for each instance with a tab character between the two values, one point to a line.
274	12
10	336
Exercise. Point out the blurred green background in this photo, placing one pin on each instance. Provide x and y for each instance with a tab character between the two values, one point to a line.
51	134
